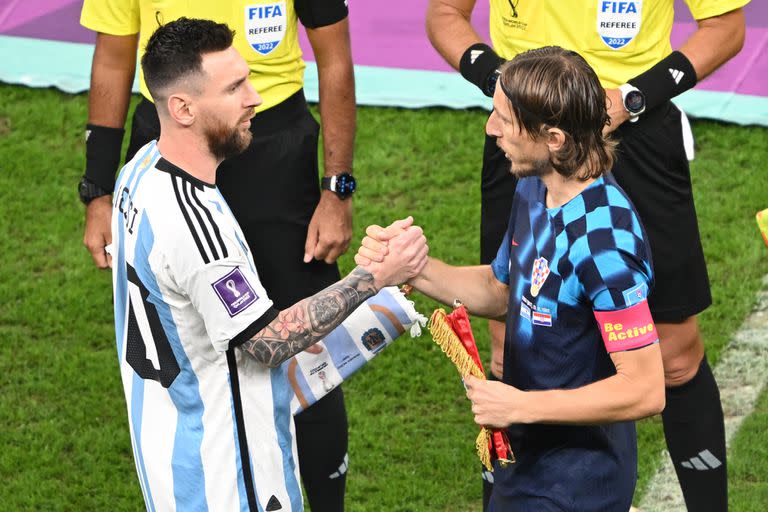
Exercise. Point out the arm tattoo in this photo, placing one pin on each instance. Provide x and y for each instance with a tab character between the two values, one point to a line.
310	320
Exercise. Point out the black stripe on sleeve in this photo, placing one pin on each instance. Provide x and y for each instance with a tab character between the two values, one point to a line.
250	331
191	227
215	226
245	458
199	218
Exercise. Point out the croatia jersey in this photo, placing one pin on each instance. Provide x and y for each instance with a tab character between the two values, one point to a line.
561	265
211	428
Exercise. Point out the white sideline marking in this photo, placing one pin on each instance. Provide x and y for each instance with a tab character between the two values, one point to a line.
741	374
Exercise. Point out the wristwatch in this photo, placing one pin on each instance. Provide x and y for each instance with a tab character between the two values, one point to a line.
634	101
344	184
490	86
89	191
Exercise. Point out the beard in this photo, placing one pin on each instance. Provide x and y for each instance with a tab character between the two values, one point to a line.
529	168
227	141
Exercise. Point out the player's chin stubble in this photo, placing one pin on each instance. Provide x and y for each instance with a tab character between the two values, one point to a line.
227	141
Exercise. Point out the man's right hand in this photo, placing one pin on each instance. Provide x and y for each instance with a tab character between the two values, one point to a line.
98	230
406	254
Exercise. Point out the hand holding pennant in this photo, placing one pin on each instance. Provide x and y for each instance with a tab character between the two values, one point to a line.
453	333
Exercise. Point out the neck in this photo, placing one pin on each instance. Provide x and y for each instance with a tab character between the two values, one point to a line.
560	189
189	151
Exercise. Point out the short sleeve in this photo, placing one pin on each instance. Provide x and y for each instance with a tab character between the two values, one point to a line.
703	9
232	302
500	264
114	17
614	279
320	13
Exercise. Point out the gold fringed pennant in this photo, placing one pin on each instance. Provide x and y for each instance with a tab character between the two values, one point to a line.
444	335
447	339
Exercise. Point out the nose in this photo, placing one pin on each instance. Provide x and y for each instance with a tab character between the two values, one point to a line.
492	127
253	98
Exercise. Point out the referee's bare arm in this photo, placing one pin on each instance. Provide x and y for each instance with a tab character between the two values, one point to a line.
449	28
112	73
313	318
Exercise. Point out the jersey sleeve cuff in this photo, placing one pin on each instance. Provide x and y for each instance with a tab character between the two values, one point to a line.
250	331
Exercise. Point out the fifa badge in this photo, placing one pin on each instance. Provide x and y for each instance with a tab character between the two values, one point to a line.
539	275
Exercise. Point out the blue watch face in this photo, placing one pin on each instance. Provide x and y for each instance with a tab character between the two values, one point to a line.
345	184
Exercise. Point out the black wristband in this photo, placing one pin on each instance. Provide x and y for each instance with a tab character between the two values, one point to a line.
671	76
102	154
477	64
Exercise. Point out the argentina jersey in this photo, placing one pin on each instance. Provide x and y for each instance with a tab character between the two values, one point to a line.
211	428
561	265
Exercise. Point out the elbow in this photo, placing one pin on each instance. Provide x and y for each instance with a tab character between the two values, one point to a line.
654	402
652	399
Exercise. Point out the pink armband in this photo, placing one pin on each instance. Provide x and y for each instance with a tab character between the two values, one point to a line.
627	329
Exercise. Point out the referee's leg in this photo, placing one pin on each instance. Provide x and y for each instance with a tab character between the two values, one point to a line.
653	170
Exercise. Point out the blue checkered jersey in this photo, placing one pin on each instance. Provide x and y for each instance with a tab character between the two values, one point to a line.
562	264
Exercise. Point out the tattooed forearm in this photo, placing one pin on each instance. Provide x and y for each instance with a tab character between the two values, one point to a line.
310	320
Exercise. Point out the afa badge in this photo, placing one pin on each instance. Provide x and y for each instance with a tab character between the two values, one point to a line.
373	339
618	21
539	274
265	26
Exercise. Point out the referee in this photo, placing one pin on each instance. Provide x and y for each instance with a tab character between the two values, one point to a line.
628	45
296	232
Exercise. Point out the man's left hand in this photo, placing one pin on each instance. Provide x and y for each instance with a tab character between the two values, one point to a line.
330	229
616	110
494	404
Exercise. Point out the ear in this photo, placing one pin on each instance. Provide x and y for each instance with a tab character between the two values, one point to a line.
555	138
180	109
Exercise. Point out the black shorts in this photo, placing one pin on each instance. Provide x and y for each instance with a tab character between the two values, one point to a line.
652	167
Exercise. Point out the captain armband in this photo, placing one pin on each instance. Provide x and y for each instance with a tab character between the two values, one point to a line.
670	77
627	329
320	13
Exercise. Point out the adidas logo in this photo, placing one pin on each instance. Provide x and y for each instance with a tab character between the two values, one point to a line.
677	75
704	461
273	504
474	54
342	469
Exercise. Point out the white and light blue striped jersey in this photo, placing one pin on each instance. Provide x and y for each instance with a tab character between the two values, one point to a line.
211	427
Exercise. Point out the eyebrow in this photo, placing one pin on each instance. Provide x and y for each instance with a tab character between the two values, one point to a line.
236	82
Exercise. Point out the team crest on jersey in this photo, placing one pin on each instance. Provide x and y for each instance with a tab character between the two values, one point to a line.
235	292
539	274
265	26
618	21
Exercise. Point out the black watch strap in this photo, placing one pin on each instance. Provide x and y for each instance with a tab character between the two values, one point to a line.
89	191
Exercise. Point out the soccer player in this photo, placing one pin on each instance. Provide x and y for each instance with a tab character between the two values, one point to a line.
294	226
199	340
581	353
628	45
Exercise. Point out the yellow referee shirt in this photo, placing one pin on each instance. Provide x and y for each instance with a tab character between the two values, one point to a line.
265	34
619	38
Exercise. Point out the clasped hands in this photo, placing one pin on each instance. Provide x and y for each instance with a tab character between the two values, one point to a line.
494	404
395	254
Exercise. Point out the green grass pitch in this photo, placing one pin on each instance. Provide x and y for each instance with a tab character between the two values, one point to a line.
63	426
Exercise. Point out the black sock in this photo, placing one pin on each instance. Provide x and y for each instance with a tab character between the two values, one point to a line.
695	433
